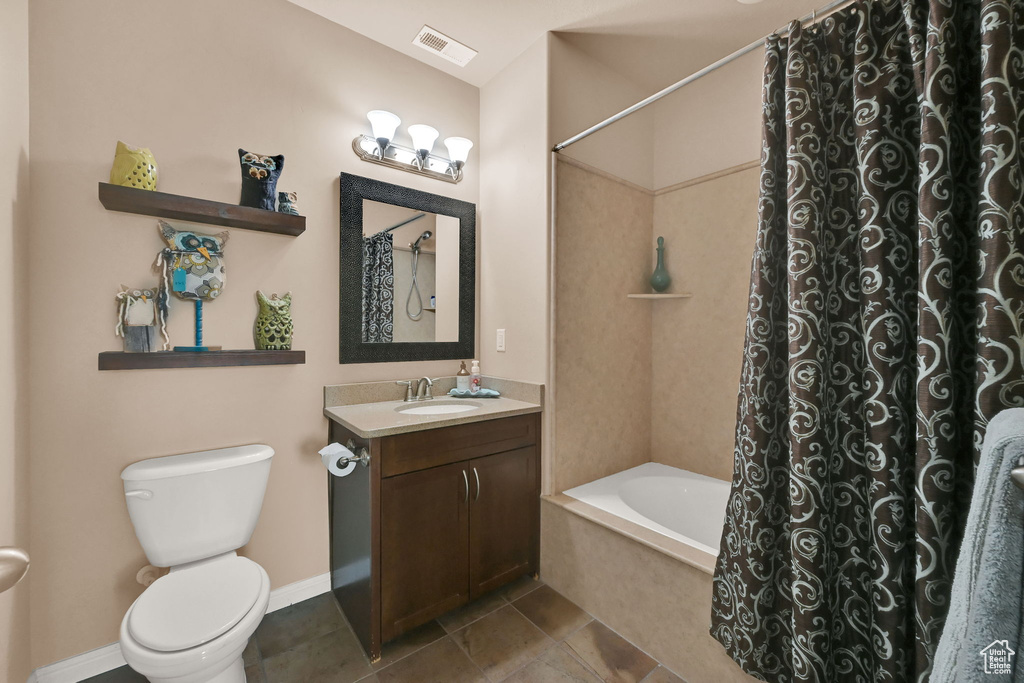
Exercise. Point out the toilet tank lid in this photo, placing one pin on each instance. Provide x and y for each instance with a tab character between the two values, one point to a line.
195	463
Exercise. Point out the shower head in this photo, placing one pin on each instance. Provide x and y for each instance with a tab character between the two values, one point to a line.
425	236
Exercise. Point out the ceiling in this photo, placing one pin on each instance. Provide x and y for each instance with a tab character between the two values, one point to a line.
654	42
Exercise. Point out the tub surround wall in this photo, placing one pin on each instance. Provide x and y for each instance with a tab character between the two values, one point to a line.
651	599
697	345
261	74
14	226
602	361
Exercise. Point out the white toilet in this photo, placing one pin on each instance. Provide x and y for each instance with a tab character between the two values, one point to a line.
190	513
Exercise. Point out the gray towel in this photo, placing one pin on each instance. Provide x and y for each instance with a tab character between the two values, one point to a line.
985	608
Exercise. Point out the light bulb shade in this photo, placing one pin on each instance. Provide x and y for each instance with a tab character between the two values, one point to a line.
423	137
384	124
458	149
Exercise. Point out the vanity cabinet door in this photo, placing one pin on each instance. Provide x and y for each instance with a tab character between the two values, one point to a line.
424	546
504	518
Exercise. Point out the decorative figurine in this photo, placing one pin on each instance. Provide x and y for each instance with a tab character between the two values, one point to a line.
139	313
660	279
193	268
133	167
259	179
287	202
273	328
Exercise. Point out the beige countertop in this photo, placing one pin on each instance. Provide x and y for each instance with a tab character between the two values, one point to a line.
382	418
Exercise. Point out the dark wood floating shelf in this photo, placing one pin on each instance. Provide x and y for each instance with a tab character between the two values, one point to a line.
163	205
117	360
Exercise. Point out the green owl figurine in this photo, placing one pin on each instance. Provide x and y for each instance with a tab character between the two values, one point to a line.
133	167
273	328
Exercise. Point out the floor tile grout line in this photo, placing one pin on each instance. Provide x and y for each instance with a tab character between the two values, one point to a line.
536	581
575	655
568	635
536	659
648	654
470	623
444	634
466	652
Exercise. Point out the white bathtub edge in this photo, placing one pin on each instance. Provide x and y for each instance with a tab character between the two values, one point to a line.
683	552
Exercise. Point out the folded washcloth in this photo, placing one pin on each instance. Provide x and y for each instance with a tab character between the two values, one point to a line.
985	607
481	393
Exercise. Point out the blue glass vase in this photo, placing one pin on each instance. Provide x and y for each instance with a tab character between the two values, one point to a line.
660	279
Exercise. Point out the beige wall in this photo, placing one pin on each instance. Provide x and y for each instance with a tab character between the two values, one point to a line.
602	369
585	92
14	456
514	210
710	125
697	344
192	80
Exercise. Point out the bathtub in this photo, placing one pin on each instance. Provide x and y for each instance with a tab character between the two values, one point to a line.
637	550
683	506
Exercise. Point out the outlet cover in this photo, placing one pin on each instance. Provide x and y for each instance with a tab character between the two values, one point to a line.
501	340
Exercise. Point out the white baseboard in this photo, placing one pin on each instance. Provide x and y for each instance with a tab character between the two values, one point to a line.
299	591
108	657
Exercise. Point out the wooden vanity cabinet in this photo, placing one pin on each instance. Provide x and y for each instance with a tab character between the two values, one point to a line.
440	517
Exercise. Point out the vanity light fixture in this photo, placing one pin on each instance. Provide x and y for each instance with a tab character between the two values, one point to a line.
380	148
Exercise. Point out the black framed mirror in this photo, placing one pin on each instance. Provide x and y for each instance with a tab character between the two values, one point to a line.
408	274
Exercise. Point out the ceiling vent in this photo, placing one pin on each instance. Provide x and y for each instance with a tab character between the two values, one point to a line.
443	46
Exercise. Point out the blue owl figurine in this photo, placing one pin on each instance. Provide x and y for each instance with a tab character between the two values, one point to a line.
287	202
259	179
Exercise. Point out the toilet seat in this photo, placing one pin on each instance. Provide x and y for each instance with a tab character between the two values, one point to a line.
189	607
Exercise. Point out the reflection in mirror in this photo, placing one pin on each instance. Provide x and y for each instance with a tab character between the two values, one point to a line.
410	275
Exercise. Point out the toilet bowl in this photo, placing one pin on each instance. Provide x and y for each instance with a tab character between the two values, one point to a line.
194	627
190	513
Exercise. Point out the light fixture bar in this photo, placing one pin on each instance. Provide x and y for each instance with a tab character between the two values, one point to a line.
402	157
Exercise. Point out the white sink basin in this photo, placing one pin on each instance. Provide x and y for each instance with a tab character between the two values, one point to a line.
431	408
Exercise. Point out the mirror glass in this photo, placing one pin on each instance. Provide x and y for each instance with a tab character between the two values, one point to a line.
410	275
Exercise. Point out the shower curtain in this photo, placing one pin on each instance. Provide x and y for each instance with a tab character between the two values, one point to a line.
884	329
378	288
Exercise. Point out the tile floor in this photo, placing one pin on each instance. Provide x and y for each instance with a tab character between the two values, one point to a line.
523	633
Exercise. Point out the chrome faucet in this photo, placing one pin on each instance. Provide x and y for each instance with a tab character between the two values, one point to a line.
417	389
423	389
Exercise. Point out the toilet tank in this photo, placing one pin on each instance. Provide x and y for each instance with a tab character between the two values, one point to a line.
196	505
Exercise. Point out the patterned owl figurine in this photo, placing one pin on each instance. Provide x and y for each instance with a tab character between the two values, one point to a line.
259	179
193	263
273	328
133	167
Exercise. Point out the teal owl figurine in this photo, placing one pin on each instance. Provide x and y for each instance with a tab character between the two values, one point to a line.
273	328
192	266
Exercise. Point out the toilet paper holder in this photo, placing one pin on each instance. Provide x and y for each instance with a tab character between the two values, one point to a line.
362	456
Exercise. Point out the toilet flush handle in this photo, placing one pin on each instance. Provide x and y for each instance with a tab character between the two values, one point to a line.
142	494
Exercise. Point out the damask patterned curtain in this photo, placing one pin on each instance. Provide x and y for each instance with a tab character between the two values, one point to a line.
884	330
378	288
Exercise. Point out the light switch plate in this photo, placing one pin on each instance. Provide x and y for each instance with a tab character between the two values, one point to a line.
501	339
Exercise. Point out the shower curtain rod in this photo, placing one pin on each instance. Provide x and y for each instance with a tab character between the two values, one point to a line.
834	5
396	226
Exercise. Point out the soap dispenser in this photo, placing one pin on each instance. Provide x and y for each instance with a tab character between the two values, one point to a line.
462	378
474	378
